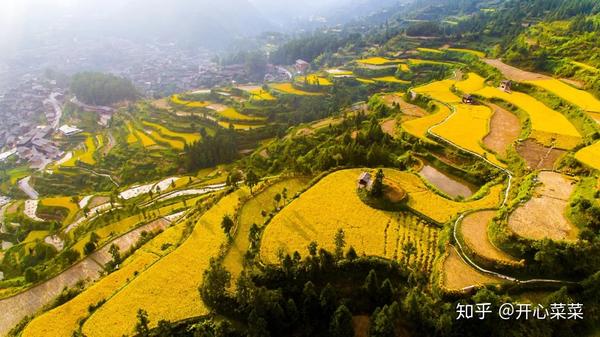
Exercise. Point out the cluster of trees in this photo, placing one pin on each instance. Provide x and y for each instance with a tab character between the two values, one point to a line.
102	89
211	150
354	142
309	47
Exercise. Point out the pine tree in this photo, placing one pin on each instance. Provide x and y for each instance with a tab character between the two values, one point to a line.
377	187
341	323
142	326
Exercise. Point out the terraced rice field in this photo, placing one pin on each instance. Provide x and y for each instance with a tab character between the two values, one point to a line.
430	50
368	230
419	127
15	308
35	235
548	126
258	94
439	209
586	66
175	139
505	128
288	88
590	155
365	80
466	128
458	275
234	115
577	97
172	282
390	79
314	79
131	138
477	53
473	83
64	320
439	90
543	216
340	207
251	213
377	61
176	99
474	230
63	202
239	126
419	61
84	154
157	136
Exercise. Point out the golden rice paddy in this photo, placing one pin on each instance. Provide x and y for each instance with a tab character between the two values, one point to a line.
288	88
368	230
590	155
168	289
548	126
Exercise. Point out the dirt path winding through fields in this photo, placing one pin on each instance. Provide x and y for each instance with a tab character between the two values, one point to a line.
17	307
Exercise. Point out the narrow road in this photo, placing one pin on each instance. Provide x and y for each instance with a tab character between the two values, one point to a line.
27	189
57	109
15	308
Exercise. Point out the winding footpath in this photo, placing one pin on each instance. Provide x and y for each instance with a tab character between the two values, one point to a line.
456	223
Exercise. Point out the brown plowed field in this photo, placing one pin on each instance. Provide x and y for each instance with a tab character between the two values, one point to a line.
543	216
474	231
504	130
538	156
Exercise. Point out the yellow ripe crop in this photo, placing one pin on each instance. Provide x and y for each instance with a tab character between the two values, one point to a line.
238	126
473	83
63	320
365	80
390	79
377	61
419	61
418	127
64	202
187	137
548	126
168	289
438	208
580	98
36	235
457	274
586	66
368	230
477	53
314	79
261	95
85	155
590	155
439	90
131	138
251	213
232	114
288	88
430	50
467	127
192	104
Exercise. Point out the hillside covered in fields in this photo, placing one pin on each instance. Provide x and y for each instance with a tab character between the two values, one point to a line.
373	179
